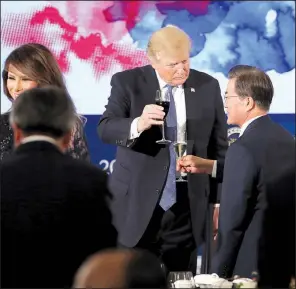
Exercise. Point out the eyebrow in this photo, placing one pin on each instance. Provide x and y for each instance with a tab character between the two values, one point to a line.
177	62
21	76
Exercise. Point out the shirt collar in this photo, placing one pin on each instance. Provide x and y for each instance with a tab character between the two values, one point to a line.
33	138
246	124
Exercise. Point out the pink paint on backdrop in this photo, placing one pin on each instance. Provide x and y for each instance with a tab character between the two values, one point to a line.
88	48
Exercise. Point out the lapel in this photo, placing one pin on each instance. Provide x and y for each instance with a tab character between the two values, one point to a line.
192	96
193	106
151	84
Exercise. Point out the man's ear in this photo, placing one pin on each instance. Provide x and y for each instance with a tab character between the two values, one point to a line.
66	139
17	135
250	103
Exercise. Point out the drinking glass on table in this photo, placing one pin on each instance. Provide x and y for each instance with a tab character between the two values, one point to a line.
181	280
163	99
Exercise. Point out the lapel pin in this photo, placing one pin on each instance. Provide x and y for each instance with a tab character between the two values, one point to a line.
192	89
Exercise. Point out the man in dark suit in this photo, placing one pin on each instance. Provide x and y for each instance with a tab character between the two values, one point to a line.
257	215
54	210
152	210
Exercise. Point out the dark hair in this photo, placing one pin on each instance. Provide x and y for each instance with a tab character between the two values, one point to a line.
144	271
253	82
37	62
46	111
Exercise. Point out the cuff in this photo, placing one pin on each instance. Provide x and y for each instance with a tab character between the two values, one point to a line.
214	171
134	129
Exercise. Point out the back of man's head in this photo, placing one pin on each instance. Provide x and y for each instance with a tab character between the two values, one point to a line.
121	269
47	111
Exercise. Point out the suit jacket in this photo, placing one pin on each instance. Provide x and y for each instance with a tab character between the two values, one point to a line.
54	214
141	166
257	214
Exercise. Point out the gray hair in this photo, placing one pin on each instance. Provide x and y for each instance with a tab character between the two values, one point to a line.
46	111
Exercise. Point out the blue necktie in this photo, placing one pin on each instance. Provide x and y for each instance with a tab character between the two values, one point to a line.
168	197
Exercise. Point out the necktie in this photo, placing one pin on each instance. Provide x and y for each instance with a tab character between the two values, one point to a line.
168	197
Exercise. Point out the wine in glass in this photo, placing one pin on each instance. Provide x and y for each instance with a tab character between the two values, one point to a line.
180	150
163	99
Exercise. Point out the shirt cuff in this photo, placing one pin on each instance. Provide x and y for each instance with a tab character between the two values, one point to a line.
216	205
134	129
214	171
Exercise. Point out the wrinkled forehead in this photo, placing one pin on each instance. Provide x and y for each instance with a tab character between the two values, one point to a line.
173	57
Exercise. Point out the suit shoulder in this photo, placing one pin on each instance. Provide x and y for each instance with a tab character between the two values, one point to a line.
283	133
130	74
205	77
85	168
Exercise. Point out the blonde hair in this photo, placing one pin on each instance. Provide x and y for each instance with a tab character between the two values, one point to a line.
169	40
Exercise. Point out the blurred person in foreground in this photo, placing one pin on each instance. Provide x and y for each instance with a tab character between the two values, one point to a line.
151	210
54	210
34	65
124	268
257	214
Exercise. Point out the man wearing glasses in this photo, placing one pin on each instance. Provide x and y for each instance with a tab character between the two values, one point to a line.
258	190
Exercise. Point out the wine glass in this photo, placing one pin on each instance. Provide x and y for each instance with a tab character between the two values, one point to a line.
180	147
181	280
163	99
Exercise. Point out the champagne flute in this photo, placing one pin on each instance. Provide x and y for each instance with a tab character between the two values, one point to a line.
181	280
180	150
164	101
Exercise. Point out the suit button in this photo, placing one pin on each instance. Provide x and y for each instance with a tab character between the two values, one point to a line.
165	167
157	191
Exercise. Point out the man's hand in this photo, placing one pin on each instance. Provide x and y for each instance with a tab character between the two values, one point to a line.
152	115
195	165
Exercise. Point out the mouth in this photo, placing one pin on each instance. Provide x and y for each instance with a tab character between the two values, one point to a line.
16	94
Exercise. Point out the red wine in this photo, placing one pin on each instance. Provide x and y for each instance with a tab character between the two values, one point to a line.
165	105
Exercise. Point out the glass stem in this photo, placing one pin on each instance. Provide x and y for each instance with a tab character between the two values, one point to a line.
162	129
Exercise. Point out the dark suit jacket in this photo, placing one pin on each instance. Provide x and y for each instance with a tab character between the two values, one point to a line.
257	213
141	166
54	214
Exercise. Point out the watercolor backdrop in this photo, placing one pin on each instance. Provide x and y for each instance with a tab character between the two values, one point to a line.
94	39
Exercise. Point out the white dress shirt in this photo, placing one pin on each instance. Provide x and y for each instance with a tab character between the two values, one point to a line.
179	98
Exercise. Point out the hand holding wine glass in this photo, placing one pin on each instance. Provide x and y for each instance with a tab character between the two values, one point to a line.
163	99
152	115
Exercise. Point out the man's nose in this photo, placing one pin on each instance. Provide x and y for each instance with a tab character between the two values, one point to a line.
180	67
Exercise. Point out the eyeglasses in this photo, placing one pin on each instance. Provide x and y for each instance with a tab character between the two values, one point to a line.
229	96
